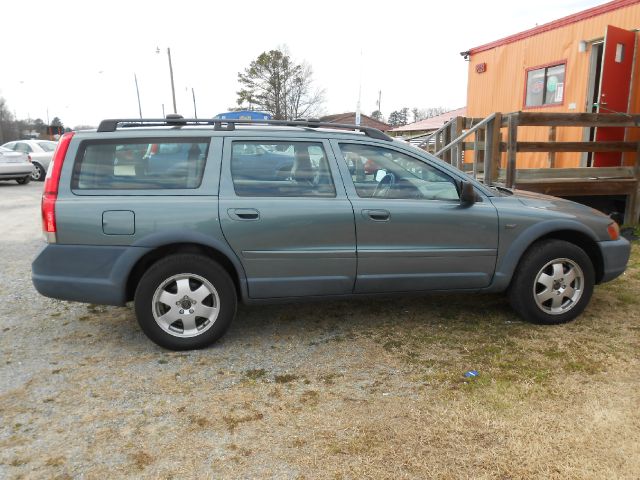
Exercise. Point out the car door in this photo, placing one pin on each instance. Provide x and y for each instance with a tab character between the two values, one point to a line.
286	217
412	232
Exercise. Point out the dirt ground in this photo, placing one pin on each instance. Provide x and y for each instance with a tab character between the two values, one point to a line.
358	389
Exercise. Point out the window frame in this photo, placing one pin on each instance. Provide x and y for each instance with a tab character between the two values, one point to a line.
321	142
546	66
207	183
351	187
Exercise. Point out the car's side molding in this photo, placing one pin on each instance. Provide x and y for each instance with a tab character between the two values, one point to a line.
508	261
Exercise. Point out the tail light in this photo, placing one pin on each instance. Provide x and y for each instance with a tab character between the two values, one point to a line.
29	158
51	183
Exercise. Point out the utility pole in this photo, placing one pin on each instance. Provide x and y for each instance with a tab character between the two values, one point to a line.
379	100
173	90
195	111
163	115
135	77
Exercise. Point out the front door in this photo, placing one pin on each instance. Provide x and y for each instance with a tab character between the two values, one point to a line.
412	232
615	82
286	218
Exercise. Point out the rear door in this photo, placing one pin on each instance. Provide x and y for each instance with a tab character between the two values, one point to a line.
615	85
286	217
412	232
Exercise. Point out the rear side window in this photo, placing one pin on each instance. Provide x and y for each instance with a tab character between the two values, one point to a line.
136	165
281	169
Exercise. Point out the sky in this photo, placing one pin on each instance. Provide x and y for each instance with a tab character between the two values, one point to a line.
77	59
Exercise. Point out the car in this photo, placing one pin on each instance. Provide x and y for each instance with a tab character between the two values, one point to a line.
40	152
171	215
15	166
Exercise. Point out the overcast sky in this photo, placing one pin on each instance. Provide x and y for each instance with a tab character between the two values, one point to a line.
78	59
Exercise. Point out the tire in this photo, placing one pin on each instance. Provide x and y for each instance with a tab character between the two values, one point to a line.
193	298
553	283
38	173
24	180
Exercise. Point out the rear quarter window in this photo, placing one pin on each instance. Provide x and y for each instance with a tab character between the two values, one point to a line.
140	165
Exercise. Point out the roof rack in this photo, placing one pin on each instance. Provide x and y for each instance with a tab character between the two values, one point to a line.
173	120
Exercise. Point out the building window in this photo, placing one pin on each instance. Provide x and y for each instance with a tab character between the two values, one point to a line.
545	86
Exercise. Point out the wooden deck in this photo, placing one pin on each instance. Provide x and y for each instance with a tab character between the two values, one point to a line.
448	143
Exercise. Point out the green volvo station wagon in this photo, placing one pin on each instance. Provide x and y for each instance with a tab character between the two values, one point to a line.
186	217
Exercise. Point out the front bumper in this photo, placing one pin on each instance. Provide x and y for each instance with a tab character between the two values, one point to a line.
615	255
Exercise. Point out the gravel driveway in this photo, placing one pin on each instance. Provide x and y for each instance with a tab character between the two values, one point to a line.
359	389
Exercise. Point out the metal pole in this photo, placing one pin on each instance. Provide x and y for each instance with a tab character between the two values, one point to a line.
135	77
195	111
173	90
163	115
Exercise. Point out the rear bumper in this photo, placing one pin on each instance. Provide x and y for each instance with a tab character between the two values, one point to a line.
81	273
12	171
615	255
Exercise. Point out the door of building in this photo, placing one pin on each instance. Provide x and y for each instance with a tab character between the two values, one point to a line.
615	82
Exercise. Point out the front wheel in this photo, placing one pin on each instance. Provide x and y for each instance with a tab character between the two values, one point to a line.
553	282
24	180
185	301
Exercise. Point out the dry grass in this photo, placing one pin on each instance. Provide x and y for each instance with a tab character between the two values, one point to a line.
370	389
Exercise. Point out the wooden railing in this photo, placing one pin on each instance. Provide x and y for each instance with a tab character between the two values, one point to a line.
450	142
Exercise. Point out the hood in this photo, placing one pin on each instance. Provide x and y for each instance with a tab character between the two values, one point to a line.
547	202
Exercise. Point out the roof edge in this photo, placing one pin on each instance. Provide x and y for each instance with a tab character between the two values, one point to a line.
559	23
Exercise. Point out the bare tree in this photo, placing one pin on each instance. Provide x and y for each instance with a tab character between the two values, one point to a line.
424	113
276	84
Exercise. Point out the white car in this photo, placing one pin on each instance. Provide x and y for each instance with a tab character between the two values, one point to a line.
15	166
40	152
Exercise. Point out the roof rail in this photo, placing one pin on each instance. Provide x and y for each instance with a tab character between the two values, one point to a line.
111	125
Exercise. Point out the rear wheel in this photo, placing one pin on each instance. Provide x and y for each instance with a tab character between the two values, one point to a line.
38	173
553	283
24	180
185	301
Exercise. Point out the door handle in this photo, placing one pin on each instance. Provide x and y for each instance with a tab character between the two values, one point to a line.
376	215
243	213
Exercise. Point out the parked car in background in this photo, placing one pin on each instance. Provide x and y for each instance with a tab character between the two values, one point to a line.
15	166
40	151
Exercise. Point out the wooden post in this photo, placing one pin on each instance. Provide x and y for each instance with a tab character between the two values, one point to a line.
453	132
460	146
512	146
552	155
492	150
478	153
446	138
632	207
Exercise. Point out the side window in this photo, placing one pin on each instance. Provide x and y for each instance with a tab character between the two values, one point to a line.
384	173
280	169
23	147
136	165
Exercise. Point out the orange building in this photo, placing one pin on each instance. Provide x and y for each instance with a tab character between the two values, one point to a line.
586	62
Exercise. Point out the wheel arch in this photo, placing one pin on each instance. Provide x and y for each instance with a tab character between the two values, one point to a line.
220	254
573	232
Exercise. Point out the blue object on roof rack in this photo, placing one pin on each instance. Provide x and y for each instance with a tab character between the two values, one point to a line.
244	115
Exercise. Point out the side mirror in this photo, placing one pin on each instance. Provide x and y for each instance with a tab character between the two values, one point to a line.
467	194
